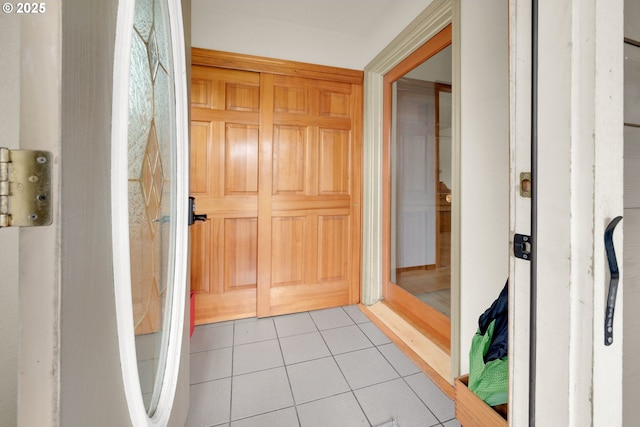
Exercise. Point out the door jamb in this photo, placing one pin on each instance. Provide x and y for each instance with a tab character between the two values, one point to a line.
434	18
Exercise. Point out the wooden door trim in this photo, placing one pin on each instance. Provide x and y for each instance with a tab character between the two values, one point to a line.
237	61
439	87
434	324
434	45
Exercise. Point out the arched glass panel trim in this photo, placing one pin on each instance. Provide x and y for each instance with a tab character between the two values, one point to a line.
149	202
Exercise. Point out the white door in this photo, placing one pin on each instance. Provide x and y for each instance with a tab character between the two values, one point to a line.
520	212
578	191
69	365
415	173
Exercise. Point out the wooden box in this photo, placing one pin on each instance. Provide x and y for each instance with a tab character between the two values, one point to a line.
471	411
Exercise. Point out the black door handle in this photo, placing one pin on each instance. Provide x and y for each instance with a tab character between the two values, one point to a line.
193	216
614	277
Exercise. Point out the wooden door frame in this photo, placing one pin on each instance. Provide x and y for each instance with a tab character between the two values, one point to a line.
432	20
259	64
439	88
432	323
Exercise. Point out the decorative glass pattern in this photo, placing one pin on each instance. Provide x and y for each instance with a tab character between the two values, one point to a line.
152	201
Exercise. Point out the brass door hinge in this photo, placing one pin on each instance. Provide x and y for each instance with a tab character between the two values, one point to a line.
25	188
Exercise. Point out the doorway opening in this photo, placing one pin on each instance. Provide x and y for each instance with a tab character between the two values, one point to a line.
418	189
275	165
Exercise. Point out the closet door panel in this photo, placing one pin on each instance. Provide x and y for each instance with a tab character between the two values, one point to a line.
334	161
288	251
275	165
313	181
289	154
224	181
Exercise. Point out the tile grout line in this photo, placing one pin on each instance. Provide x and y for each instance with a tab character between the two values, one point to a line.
420	400
347	381
286	370
286	365
339	368
400	376
233	351
403	377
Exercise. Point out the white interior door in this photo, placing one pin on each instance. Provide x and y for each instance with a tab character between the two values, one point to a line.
415	173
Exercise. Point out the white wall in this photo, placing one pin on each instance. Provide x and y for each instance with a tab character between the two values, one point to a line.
484	166
9	137
229	25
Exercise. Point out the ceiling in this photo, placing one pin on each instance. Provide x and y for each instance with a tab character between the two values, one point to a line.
345	33
355	17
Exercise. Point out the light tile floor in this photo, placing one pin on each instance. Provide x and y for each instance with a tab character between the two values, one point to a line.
326	368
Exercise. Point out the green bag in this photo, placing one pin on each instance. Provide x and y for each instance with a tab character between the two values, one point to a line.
489	381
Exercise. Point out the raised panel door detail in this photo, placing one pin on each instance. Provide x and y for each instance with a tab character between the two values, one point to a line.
333	248
417	249
334	104
415	167
240	252
289	153
291	100
201	93
241	159
225	89
198	164
334	161
200	253
242	97
287	253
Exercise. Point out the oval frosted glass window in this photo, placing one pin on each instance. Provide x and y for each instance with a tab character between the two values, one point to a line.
152	164
149	202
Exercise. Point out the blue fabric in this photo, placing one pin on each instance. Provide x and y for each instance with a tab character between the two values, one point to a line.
499	311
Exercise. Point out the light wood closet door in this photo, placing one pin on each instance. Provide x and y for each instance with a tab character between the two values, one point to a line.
309	238
275	164
224	180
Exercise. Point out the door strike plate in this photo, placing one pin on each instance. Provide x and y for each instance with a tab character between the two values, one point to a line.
525	184
25	188
522	246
